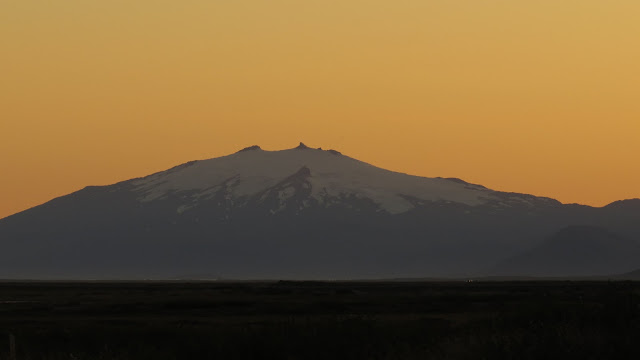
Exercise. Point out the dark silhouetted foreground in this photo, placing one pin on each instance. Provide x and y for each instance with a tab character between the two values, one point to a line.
309	320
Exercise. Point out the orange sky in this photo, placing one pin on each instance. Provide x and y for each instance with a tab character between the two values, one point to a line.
541	97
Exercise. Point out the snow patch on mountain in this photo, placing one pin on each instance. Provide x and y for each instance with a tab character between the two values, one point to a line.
248	173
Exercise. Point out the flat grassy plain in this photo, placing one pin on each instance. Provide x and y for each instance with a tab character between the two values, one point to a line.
321	320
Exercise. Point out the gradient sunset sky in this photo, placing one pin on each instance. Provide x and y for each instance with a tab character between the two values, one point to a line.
533	96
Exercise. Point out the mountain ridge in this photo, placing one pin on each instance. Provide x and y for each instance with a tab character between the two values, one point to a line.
616	203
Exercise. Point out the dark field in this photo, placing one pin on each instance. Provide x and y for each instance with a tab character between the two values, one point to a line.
313	320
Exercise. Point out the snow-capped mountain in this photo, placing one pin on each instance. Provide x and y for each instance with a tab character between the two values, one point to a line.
322	177
296	213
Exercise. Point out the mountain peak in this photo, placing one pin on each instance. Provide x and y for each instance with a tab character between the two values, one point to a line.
250	148
302	146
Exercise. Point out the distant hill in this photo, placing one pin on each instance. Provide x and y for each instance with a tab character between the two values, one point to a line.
632	275
575	251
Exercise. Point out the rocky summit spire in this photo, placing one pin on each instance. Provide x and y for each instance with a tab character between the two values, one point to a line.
302	146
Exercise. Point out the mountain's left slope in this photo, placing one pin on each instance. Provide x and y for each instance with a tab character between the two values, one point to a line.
296	213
